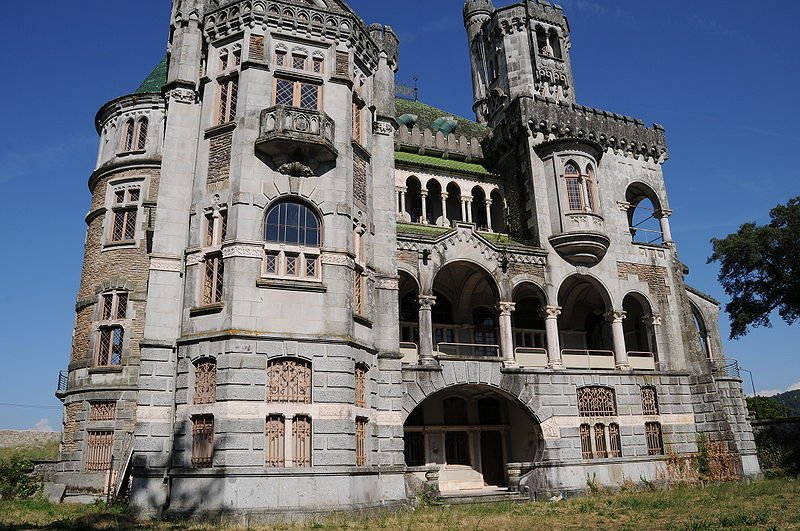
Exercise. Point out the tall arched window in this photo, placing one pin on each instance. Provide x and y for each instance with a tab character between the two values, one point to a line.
590	189
141	134
581	188
292	235
128	140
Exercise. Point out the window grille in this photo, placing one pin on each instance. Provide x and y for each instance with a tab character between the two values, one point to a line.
297	93
649	401
361	441
655	441
358	124
615	441
600	450
228	96
414	443
99	448
309	95
103	411
358	293
110	346
586	441
202	441
597	401
318	65
284	92
214	276
361	386
141	134
276	441
124	211
280	58
205	382
298	265
129	132
289	381
302	441
574	193
298	62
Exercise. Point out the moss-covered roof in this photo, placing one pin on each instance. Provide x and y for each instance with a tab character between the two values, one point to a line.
427	115
155	80
441	164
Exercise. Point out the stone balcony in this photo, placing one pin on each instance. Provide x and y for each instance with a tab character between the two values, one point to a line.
290	134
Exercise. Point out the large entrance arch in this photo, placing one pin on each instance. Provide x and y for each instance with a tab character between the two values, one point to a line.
472	432
585	331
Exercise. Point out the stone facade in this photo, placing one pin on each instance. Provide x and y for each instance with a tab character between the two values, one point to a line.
296	298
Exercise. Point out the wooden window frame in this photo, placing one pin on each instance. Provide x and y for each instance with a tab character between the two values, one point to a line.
297	92
124	213
112	315
213	272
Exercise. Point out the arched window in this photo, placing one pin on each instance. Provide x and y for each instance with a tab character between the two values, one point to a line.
128	140
643	214
292	233
141	134
541	42
702	331
581	188
555	44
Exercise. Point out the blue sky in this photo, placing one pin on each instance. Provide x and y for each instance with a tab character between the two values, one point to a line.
720	75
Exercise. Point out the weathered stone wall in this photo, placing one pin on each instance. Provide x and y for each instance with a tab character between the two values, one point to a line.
12	438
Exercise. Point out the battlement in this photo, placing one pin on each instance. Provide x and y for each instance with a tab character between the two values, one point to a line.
447	146
547	12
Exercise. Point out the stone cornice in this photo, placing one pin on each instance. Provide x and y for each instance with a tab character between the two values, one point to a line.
142	163
129	102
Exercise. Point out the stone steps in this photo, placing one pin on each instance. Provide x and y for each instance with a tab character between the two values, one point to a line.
469	497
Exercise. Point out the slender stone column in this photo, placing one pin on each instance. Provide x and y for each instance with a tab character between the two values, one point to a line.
426	304
551	314
402	192
489	214
663	218
616	317
445	221
506	334
469	210
423	194
653	323
464	209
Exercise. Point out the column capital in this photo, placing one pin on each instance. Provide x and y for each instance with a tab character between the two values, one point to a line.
616	316
488	201
507	307
654	319
444	195
663	213
402	189
624	206
424	192
551	312
427	302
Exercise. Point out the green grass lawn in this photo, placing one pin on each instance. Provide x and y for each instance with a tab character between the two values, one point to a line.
769	504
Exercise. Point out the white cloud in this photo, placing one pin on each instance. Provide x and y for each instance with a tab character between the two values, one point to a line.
772	392
794	387
43	425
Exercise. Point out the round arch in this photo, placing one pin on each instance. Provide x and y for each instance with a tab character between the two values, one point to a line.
638	323
584	303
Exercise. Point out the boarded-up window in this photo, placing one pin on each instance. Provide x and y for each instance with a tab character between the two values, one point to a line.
276	441
289	381
302	441
257	48
99	447
343	64
202	441
359	178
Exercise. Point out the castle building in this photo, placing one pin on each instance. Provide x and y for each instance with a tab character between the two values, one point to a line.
301	293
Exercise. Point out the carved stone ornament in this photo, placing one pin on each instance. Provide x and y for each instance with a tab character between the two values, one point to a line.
340	259
387	283
616	316
182	95
506	308
551	312
244	251
427	302
165	264
383	128
296	169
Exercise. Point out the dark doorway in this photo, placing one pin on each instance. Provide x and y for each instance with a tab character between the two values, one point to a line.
492	458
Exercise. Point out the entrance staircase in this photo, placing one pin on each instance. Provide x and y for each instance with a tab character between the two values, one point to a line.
483	495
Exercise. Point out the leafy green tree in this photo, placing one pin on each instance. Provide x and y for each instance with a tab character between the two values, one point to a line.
761	269
767	408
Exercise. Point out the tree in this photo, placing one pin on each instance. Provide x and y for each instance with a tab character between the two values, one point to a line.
761	269
767	408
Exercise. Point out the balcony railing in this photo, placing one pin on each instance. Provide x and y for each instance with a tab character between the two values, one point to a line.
63	380
410	352
469	349
531	358
727	368
588	359
288	130
642	361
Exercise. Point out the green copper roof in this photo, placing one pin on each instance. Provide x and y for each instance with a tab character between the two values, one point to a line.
427	115
155	80
441	164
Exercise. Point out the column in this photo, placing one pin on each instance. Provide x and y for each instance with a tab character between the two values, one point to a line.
464	216
616	317
426	304
551	314
423	194
663	218
489	214
445	221
653	323
506	334
402	200
469	209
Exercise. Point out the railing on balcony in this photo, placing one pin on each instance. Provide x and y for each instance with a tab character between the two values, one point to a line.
727	368
410	352
469	349
531	358
588	359
284	129
642	361
63	380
